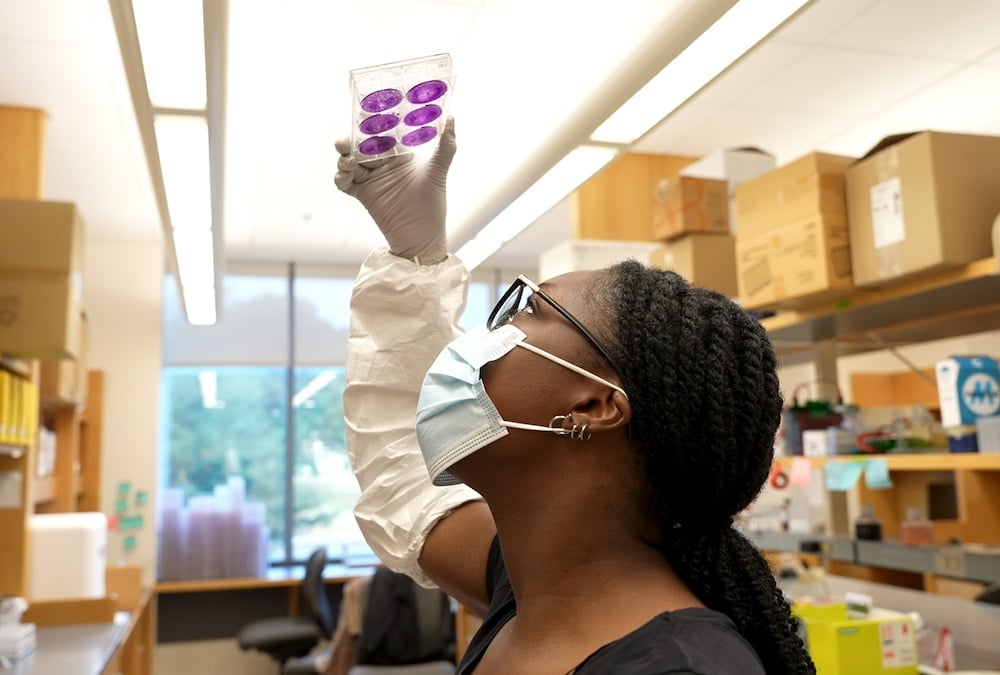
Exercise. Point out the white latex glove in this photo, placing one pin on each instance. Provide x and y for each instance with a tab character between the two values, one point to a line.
406	198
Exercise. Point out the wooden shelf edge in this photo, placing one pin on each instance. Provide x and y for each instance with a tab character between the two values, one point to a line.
861	297
943	461
18	366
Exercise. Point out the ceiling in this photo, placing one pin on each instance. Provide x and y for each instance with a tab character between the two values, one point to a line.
836	78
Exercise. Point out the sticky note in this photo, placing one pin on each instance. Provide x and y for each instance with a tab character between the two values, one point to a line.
801	473
124	487
877	474
121	506
841	476
141	497
129	542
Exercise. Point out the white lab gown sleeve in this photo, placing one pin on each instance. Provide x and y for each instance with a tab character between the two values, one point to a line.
402	315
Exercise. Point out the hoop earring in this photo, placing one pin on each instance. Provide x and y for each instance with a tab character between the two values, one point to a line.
580	433
557	425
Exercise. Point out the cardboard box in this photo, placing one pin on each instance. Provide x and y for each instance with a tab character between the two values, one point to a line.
733	165
686	205
589	254
616	203
40	316
38	236
922	202
22	152
65	380
883	643
706	260
803	262
811	184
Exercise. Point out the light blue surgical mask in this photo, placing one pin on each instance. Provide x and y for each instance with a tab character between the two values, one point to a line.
455	416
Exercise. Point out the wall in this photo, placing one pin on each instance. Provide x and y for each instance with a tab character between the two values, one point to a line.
123	283
923	355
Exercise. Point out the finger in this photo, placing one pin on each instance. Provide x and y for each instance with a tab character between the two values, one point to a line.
447	146
344	181
346	163
343	146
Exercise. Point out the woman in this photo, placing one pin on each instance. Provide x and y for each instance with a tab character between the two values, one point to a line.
570	471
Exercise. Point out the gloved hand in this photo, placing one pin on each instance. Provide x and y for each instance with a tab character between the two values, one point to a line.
405	198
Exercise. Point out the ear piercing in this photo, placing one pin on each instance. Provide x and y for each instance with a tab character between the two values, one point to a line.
577	432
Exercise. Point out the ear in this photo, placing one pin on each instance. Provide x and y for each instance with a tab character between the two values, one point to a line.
604	410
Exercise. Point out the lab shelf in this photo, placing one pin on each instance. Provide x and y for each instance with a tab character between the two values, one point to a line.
951	303
931	461
956	562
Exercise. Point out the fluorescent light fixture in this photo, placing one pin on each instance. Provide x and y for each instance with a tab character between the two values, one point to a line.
575	168
735	33
171	39
199	301
208	383
314	386
195	257
182	142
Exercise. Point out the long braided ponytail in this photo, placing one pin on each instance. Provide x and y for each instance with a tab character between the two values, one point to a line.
701	377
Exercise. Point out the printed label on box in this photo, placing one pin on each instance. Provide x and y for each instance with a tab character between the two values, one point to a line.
898	644
888	227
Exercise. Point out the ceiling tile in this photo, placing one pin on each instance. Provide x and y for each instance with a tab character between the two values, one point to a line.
684	132
991	59
763	63
959	30
822	18
50	21
785	135
842	82
967	101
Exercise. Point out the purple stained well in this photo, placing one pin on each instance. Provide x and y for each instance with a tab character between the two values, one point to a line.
422	116
419	137
425	92
376	145
377	124
380	100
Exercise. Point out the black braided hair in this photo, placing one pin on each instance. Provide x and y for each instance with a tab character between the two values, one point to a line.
701	377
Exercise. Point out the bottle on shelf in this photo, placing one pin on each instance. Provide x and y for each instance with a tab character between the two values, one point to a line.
868	526
917	530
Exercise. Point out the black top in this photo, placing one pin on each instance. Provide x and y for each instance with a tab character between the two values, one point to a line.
693	641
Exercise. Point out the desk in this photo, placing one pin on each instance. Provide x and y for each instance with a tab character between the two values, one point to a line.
224	606
123	645
86	649
974	625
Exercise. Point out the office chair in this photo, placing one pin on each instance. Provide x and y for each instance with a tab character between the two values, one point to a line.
990	595
404	629
287	637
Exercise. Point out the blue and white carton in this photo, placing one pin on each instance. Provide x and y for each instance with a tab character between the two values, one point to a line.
968	388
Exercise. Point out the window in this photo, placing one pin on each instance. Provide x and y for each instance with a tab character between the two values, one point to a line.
253	451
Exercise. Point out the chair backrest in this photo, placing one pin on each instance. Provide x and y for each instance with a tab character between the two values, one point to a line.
990	595
403	623
312	594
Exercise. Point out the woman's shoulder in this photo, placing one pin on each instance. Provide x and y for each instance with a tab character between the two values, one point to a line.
695	640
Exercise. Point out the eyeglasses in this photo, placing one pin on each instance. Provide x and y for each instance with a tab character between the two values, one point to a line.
514	300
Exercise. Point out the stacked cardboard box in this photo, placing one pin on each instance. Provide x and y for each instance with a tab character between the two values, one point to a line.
692	217
922	202
792	244
41	279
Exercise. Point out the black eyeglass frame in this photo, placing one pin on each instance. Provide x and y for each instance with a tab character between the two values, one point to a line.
518	287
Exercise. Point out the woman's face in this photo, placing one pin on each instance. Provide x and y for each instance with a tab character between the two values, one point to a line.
528	388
